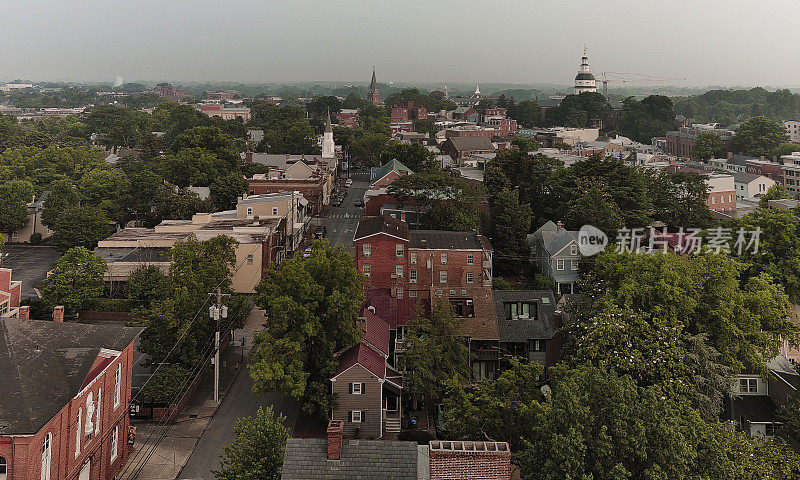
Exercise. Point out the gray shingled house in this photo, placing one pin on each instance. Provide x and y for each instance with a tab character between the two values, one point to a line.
554	250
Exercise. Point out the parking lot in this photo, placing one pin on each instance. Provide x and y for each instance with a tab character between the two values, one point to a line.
30	264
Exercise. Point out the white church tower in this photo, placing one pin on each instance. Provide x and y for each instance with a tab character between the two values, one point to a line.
584	81
328	148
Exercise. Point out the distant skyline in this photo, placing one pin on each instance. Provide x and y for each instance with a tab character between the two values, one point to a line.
735	43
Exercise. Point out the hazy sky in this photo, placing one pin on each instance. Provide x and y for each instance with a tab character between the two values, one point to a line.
733	42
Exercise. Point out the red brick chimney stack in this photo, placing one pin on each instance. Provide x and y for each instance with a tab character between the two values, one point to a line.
248	157
24	312
559	225
58	314
473	460
335	428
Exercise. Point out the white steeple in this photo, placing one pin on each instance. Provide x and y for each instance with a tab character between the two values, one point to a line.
477	93
328	148
584	81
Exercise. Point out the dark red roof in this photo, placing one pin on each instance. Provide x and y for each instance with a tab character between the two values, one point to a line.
96	371
366	357
377	332
393	311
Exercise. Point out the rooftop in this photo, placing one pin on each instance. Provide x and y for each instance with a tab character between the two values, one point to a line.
518	330
307	459
444	240
472	143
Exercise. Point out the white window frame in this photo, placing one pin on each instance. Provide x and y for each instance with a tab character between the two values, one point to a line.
413	256
360	416
574	264
400	293
117	385
249	211
99	411
470	277
249	259
412	294
47	456
399	270
443	276
560	264
274	210
366	250
367	270
746	385
470	259
114	443
412	276
78	428
399	250
573	249
3	468
443	258
354	390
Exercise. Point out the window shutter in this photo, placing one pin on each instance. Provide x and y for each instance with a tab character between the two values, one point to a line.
363	388
350	416
350	386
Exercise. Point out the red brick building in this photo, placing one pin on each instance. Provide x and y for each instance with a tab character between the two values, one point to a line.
312	189
65	394
408	112
461	147
403	268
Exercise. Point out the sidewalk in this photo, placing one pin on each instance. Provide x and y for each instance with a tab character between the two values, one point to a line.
179	439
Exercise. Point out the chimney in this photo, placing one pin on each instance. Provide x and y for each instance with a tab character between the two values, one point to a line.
474	460
58	314
559	225
335	428
255	219
248	157
424	242
371	309
24	312
729	155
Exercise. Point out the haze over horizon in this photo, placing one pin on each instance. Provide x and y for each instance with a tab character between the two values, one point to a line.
266	41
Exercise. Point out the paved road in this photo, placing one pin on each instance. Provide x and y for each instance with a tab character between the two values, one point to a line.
30	264
342	221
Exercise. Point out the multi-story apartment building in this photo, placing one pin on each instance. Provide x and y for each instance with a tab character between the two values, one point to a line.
681	143
791	173
793	131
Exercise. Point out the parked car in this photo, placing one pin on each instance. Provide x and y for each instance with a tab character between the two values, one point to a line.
359	203
307	252
321	232
337	201
348	183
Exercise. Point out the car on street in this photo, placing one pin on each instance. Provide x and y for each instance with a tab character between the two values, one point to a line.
348	183
321	231
307	252
359	203
337	201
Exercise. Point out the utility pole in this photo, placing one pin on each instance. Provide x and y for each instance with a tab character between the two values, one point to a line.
216	312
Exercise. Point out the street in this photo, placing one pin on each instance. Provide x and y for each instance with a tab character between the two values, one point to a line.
342	221
30	264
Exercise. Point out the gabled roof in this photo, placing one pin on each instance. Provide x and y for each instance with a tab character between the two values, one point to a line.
307	459
520	330
381	224
394	165
464	144
362	354
740	159
552	239
44	364
376	332
742	177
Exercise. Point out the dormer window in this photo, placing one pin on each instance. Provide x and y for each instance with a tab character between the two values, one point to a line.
573	249
249	211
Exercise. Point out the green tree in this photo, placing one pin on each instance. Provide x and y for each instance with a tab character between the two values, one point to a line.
212	140
120	126
167	384
311	304
759	136
512	221
785	149
14	199
593	206
789	417
147	285
442	201
679	199
435	351
527	113
258	450
708	145
106	189
416	157
775	192
525	144
191	167
367	148
76	281
643	120
80	227
320	106
226	189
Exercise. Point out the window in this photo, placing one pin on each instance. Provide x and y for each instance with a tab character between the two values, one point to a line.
366	249
399	250
538	345
714	200
398	270
46	454
356	416
400	293
3	468
250	259
574	264
573	249
99	407
444	258
413	256
114	443
443	276
274	210
367	270
560	264
357	388
470	277
470	259
412	294
412	276
748	385
462	307
117	386
769	429
78	433
249	211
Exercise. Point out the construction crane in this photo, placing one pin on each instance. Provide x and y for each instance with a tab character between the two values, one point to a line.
626	77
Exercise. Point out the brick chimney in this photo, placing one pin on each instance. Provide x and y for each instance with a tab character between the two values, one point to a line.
248	157
335	428
559	225
58	314
24	312
473	460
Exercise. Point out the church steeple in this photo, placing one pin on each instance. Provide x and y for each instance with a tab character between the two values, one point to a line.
328	147
374	97
328	127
